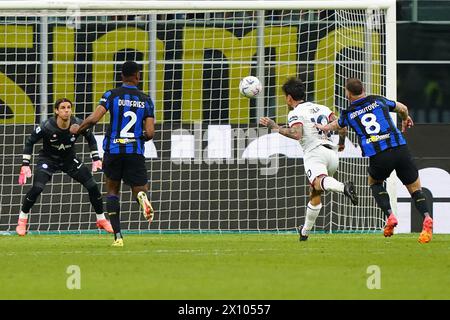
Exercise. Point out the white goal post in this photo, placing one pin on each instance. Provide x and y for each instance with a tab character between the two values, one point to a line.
211	167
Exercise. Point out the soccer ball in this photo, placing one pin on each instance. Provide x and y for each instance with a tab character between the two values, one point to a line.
250	87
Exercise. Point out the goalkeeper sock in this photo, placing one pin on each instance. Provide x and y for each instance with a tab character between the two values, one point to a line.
312	212
101	216
113	207
382	198
95	196
23	215
331	184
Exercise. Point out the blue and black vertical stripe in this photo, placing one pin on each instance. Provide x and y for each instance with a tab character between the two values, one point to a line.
120	118
381	116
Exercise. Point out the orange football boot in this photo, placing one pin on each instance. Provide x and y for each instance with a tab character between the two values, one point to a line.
427	230
21	228
105	224
391	223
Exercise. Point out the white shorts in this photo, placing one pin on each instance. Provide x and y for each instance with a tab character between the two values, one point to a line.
320	161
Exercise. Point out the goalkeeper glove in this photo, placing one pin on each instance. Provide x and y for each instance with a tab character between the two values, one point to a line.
25	172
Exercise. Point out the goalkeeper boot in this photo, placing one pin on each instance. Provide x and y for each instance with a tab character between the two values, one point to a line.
105	224
117	243
147	209
350	192
21	228
427	230
301	233
391	223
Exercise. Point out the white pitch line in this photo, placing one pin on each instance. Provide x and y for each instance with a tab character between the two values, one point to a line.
122	252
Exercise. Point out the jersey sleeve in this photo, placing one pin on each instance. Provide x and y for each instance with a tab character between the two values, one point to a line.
327	112
342	121
391	104
149	108
90	138
293	119
104	101
35	136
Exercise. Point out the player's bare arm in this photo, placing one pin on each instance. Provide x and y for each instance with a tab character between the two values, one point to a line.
295	132
342	134
332	126
93	118
149	128
402	111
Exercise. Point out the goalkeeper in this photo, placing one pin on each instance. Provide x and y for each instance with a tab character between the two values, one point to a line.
58	153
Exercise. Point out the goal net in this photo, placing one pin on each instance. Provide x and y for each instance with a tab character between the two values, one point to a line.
210	166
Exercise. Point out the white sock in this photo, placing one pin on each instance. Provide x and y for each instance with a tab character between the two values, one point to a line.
331	184
311	215
23	215
101	216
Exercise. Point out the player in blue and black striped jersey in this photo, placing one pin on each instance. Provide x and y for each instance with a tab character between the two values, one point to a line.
131	124
384	144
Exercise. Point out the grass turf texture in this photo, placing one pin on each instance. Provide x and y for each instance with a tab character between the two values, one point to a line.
227	266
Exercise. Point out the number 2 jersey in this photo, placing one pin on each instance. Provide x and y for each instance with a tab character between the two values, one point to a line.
128	108
308	114
370	118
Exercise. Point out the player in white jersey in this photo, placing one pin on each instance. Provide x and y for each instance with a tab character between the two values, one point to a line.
320	154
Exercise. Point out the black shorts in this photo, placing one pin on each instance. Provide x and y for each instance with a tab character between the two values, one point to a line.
72	166
127	167
399	159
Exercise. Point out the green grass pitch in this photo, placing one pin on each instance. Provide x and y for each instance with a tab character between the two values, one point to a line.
225	266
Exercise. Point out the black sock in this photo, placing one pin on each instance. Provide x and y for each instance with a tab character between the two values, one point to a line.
382	198
113	208
421	203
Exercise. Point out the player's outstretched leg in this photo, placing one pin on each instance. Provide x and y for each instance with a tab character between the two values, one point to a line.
147	209
312	212
350	192
381	197
328	183
83	176
420	202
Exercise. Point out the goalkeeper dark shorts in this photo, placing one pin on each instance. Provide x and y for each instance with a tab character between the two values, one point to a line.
71	165
399	159
130	168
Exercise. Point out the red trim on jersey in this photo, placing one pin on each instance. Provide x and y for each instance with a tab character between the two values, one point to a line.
320	175
330	116
296	122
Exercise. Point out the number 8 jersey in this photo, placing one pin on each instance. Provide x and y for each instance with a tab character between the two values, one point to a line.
370	118
308	114
128	108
